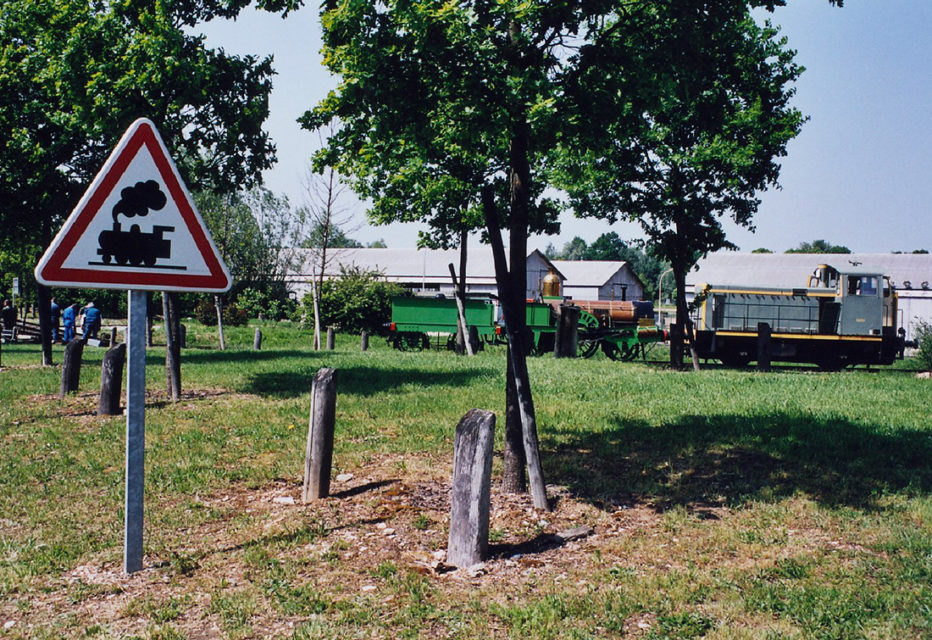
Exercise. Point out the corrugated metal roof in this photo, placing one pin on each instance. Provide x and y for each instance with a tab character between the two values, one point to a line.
793	269
408	264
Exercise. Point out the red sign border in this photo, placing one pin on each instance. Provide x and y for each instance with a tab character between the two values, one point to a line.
50	271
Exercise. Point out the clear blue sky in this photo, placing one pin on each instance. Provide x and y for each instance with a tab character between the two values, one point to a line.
857	175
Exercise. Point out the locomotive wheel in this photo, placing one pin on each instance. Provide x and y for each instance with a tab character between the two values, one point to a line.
121	259
586	348
624	353
105	258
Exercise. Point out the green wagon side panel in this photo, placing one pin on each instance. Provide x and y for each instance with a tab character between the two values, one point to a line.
438	315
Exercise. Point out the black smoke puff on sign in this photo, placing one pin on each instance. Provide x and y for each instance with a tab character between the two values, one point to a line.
139	199
134	247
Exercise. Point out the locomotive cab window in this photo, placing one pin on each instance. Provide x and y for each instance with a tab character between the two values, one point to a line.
862	285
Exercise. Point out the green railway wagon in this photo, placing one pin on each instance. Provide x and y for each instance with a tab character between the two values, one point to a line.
418	321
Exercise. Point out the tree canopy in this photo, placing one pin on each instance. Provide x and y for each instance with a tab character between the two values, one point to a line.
819	246
689	137
74	75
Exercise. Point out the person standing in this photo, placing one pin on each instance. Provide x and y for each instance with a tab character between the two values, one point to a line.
91	321
8	315
54	319
68	316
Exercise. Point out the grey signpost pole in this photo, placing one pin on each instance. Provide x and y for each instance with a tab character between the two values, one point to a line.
135	430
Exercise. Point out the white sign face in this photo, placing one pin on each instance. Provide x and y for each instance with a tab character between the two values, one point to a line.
135	228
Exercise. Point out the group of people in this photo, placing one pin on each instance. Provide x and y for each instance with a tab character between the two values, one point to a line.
70	317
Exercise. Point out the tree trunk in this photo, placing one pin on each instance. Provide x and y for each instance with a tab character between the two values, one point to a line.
462	344
514	480
45	323
219	309
172	344
682	315
513	312
314	293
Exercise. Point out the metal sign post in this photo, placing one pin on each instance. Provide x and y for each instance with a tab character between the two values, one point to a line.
135	430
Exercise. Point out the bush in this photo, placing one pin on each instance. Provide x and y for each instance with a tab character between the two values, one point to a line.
924	338
357	300
233	316
271	307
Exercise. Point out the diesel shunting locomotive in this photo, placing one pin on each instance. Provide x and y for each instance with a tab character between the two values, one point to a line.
844	316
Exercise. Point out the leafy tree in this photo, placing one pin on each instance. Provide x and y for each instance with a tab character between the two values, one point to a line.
337	238
762	250
442	104
819	246
923	331
74	75
356	300
691	137
256	233
377	244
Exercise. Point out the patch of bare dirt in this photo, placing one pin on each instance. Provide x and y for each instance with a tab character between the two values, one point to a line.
375	519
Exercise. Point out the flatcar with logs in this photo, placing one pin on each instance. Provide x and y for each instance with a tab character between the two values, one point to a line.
622	329
845	316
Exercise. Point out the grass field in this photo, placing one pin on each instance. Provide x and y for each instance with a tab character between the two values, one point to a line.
724	504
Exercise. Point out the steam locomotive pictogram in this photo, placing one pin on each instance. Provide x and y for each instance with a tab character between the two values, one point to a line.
134	247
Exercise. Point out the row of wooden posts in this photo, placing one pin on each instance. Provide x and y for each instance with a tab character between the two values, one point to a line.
472	470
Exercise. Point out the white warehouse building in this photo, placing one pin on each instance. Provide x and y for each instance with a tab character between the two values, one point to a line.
427	271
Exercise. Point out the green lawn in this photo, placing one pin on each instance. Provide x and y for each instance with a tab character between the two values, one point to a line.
725	504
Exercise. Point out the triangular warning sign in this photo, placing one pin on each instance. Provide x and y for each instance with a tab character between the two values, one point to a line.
136	227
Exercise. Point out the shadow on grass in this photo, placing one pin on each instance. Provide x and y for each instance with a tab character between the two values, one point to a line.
702	462
359	381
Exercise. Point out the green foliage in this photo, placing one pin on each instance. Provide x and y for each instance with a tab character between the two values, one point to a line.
354	301
923	332
74	75
819	246
256	233
256	303
206	313
336	238
689	132
762	250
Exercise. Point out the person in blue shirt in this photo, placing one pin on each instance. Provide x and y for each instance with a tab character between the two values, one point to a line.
91	321
68	316
54	319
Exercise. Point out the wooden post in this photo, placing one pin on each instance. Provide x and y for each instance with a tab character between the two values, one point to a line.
691	339
257	340
172	346
219	309
111	380
318	458
330	338
113	336
567	339
364	341
763	346
183	335
71	367
472	478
